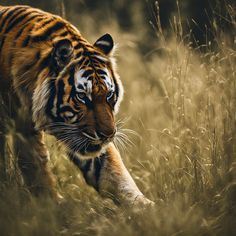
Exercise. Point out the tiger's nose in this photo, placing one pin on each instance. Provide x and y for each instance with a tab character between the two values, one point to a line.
106	135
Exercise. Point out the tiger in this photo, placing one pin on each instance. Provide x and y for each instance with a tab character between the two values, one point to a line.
53	81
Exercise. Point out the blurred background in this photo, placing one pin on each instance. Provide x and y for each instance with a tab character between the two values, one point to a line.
137	16
177	61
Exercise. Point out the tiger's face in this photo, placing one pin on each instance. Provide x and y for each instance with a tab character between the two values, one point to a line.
78	105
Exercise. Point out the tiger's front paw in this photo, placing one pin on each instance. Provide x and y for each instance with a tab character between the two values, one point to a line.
142	201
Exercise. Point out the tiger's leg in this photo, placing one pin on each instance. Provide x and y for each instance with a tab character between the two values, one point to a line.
108	175
33	158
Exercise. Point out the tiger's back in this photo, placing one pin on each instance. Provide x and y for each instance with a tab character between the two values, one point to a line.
27	37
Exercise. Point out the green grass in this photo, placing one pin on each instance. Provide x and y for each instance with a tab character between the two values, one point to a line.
182	104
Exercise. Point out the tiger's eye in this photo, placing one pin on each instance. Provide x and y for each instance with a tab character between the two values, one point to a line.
81	95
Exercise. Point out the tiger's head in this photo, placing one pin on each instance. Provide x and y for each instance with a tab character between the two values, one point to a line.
77	105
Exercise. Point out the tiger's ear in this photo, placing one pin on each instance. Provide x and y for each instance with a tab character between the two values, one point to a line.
62	53
105	44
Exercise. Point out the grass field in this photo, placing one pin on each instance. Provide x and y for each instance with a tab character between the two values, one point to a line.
181	102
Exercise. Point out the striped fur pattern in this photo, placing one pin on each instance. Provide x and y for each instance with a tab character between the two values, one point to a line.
67	87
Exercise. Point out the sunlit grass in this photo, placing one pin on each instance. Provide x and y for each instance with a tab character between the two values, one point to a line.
182	104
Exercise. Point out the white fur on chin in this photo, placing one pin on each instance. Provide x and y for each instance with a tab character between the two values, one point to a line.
91	155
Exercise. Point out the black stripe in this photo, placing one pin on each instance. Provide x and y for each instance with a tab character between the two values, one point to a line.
26	41
72	77
2	42
12	16
86	167
46	22
17	12
11	11
85	61
14	12
79	55
2	12
80	87
87	53
71	82
98	165
63	34
47	33
77	46
24	26
89	103
87	73
101	72
16	21
60	94
75	37
52	95
38	55
117	89
19	32
28	23
67	108
97	62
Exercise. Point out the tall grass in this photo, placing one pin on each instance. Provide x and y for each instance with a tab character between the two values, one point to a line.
181	100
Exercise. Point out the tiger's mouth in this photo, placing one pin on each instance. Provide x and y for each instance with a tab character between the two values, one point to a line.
81	143
85	149
93	146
